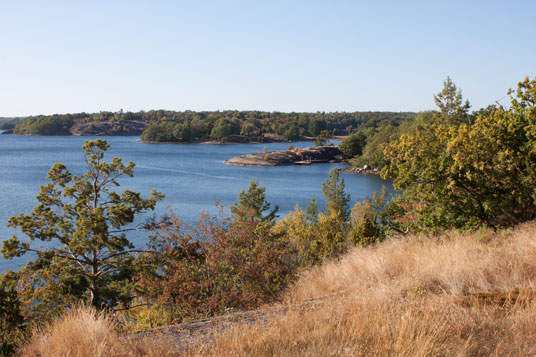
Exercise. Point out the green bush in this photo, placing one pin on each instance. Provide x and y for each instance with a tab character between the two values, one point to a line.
11	319
353	145
365	232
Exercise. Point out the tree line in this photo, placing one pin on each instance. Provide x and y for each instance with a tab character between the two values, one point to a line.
189	126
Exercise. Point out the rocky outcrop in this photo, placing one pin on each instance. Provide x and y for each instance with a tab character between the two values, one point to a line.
109	128
297	156
366	170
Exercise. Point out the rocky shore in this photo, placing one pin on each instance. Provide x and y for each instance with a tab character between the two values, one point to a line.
366	170
296	156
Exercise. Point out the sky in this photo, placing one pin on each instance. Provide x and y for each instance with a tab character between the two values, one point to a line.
272	55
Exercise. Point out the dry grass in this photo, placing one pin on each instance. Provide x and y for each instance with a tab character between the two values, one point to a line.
84	332
457	295
77	333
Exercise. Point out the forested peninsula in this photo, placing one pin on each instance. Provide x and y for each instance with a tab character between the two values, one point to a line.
189	126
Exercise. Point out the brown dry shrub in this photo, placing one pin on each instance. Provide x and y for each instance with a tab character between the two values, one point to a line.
221	264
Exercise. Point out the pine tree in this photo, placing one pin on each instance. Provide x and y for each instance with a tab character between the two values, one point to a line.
253	202
89	257
311	210
11	319
336	199
453	111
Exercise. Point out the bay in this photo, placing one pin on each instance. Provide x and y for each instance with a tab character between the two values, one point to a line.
192	177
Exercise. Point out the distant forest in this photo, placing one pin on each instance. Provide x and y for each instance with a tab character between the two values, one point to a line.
8	123
190	126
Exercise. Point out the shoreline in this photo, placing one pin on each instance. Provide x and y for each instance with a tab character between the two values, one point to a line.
361	171
214	142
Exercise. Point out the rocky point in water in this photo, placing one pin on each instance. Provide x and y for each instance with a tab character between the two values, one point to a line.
296	156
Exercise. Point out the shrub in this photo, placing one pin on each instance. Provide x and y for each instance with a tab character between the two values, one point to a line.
224	262
11	319
365	232
80	332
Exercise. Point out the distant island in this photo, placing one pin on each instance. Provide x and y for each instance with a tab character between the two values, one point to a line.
158	126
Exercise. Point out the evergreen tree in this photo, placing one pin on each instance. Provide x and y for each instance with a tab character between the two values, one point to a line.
89	257
253	202
11	319
453	111
311	210
336	199
323	137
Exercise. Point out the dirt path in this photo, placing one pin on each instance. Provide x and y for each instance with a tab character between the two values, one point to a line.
188	335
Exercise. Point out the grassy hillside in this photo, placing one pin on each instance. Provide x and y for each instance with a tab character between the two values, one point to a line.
452	295
457	294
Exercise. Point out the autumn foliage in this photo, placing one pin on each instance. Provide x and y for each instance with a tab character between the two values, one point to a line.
224	262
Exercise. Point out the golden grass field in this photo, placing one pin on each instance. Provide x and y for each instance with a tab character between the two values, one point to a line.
452	295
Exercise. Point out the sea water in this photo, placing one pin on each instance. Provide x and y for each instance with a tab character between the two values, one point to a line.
192	177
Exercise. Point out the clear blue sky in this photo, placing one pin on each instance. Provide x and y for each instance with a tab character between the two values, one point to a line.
288	55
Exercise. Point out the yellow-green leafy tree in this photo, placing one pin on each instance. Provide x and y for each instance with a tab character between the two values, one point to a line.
313	235
466	176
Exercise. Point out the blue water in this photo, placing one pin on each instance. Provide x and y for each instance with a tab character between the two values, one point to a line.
192	176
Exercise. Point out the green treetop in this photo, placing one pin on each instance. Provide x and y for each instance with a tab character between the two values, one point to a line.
353	145
453	111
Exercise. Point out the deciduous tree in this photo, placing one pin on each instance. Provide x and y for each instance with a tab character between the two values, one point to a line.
467	176
353	145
